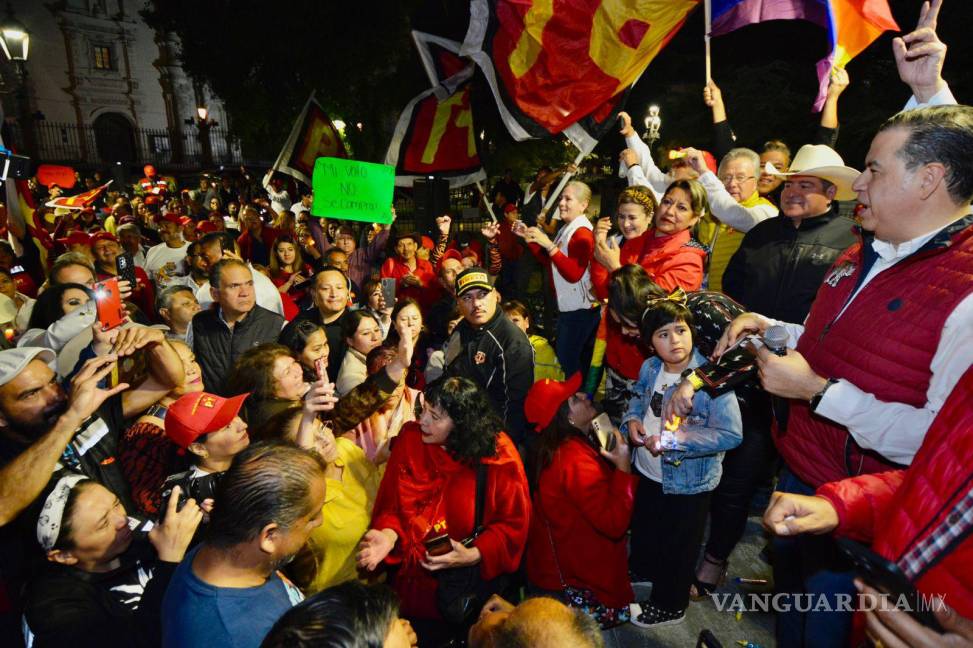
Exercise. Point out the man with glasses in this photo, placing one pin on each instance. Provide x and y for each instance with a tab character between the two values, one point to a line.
489	349
219	336
782	261
735	206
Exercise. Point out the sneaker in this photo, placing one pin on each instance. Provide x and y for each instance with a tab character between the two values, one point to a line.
646	615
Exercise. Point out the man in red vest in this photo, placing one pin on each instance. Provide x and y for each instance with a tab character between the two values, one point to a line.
890	331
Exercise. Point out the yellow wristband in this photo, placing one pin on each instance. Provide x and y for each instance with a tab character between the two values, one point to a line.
695	381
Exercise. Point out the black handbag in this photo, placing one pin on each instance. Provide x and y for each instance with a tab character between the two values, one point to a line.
462	591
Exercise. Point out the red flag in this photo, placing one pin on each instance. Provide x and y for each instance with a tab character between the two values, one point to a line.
78	201
313	136
552	64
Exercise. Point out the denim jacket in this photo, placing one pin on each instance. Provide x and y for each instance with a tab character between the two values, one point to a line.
713	427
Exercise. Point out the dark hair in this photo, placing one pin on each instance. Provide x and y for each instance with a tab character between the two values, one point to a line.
550	439
475	424
331	251
514	306
215	273
698	200
48	309
295	337
211	238
164	298
351	321
350	615
393	335
253	371
276	427
660	314
942	134
331	268
629	290
266	483
65	541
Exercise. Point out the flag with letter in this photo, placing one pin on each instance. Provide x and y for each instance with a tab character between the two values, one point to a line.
78	201
435	134
851	25
563	67
313	136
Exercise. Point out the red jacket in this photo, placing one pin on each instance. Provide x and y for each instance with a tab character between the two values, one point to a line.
427	294
671	261
908	303
587	505
674	260
424	484
903	511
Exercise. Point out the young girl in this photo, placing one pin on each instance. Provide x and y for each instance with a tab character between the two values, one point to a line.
545	360
678	463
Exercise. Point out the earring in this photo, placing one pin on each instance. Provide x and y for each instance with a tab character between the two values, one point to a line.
571	421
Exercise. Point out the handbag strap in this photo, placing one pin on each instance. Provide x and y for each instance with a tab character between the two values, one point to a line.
550	537
481	475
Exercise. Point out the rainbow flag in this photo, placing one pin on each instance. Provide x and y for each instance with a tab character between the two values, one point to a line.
851	25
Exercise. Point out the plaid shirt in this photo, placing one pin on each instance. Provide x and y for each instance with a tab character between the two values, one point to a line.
943	538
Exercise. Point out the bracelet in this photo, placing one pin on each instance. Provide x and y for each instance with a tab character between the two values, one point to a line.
695	380
551	249
816	399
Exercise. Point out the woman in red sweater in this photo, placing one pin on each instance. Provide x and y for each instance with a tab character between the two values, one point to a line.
669	255
583	503
429	488
569	256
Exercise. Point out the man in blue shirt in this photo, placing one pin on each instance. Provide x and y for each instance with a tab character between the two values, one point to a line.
227	591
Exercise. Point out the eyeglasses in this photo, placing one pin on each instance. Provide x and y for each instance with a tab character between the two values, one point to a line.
739	179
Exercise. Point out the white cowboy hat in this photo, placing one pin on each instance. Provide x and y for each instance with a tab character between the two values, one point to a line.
822	162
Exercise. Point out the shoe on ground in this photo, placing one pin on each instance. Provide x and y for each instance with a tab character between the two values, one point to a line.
646	615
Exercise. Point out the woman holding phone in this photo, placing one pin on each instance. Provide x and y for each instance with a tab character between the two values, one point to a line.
430	488
582	506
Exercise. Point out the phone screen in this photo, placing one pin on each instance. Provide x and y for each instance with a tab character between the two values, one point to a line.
388	292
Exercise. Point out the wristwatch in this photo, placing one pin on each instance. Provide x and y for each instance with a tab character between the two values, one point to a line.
693	378
816	399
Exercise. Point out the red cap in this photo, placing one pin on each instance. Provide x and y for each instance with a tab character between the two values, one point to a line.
103	236
545	397
205	227
75	237
173	217
427	243
451	253
194	415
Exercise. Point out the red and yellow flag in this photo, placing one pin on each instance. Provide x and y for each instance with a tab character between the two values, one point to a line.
78	201
313	136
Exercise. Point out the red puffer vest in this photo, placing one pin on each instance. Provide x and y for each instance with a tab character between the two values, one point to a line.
883	343
910	515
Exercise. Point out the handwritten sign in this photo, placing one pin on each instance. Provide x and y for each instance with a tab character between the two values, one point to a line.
352	190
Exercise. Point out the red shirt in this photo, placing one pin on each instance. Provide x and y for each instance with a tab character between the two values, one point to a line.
587	505
427	294
424	484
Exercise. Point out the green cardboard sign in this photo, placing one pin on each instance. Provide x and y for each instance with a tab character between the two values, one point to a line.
352	190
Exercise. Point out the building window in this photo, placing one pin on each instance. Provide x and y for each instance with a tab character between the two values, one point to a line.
103	58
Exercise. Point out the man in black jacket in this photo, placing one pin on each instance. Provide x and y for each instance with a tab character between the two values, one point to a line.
782	261
329	293
220	335
489	349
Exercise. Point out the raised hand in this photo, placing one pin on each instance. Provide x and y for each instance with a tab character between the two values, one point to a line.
839	82
490	231
443	222
919	55
86	396
172	536
626	120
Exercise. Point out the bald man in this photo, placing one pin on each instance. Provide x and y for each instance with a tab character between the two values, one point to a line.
536	623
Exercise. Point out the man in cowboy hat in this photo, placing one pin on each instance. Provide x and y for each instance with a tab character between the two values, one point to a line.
782	261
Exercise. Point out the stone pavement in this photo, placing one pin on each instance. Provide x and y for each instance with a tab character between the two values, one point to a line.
755	627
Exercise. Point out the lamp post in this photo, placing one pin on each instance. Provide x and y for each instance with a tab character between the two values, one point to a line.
15	41
204	123
653	122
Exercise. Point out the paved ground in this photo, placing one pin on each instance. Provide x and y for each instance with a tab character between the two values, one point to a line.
755	627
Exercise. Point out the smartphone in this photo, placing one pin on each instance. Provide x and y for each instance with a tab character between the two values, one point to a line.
604	431
388	292
108	299
321	367
125	268
438	545
885	576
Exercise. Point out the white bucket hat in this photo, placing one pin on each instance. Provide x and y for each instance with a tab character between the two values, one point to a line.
823	162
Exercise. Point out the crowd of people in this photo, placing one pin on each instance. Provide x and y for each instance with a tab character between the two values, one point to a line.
297	431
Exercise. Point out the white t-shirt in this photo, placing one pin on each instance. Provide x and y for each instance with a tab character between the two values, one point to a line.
646	464
160	256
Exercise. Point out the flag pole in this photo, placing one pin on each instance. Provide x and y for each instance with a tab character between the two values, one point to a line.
479	186
560	185
708	9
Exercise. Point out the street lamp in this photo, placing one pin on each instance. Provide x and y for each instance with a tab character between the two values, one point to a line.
14	37
204	124
652	125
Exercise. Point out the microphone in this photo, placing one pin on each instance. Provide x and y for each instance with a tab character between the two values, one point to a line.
775	339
